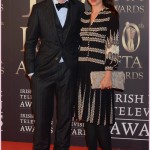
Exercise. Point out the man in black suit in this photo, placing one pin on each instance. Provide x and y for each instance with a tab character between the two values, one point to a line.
52	70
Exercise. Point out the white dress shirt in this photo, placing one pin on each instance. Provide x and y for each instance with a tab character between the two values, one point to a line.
62	15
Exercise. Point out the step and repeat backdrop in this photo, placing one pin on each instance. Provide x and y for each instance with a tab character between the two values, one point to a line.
130	132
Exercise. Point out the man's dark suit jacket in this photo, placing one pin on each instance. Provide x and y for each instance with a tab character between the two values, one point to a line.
41	25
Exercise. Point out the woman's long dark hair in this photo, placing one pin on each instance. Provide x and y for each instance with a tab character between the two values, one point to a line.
109	4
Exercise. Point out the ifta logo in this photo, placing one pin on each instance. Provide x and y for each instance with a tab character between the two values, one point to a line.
131	37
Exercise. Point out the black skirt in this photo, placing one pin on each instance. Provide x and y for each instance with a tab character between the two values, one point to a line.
93	106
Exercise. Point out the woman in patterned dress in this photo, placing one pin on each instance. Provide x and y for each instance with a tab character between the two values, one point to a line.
100	38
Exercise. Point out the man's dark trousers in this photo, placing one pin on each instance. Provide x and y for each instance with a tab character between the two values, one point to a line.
59	83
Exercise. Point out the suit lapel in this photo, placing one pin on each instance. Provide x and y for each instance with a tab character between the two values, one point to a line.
51	17
70	14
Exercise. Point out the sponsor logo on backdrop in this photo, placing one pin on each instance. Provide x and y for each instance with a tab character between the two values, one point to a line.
131	65
31	3
131	40
23	37
21	68
132	117
131	109
77	128
131	37
27	119
130	6
27	123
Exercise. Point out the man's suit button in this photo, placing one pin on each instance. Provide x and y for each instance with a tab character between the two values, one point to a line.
56	58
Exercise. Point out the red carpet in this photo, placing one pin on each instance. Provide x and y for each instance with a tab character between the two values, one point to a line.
28	146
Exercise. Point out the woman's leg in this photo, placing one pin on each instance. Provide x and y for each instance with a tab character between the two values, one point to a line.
90	136
104	136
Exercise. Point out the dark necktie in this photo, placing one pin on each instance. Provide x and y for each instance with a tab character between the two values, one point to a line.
61	5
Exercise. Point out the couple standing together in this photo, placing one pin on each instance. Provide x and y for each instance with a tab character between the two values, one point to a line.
72	44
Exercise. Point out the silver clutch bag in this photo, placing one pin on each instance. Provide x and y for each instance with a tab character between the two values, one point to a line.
118	79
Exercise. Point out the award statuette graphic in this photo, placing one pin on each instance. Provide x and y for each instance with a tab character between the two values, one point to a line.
129	37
